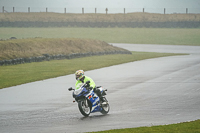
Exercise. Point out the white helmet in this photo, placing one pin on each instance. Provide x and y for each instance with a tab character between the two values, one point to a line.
79	74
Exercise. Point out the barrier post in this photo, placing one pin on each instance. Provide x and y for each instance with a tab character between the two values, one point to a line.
106	10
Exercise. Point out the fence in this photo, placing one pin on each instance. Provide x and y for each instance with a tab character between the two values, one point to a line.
103	10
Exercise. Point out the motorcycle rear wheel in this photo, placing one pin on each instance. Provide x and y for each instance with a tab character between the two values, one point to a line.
84	107
105	108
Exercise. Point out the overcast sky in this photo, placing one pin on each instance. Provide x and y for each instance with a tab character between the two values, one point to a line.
171	6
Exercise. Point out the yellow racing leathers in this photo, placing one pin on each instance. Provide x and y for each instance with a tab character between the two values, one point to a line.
85	79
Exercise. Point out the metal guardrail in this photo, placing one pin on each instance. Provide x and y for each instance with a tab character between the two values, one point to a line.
103	10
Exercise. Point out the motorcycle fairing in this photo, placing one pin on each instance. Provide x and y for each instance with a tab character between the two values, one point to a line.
94	99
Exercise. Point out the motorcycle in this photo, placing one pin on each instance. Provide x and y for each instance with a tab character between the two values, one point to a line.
88	101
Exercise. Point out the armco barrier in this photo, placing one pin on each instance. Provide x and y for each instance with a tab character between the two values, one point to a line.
47	57
167	24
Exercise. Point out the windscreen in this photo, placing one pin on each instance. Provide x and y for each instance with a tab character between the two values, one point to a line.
78	85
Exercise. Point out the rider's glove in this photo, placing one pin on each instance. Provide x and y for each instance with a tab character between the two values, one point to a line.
90	88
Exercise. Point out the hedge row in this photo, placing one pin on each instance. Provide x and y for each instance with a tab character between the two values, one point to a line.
47	57
180	24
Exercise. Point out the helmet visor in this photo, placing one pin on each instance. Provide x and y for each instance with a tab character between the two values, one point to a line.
77	77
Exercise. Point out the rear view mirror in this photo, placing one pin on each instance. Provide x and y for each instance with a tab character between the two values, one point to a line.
70	89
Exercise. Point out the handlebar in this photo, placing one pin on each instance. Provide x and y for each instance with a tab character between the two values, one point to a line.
85	85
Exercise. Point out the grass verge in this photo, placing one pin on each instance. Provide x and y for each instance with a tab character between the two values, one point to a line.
34	47
93	17
24	73
169	36
186	127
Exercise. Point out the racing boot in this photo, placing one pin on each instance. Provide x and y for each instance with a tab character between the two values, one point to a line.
103	102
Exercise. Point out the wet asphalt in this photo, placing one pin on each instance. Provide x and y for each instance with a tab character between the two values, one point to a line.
150	92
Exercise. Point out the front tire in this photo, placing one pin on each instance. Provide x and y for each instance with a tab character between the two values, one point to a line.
84	107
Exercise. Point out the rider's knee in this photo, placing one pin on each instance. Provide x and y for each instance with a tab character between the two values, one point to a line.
97	91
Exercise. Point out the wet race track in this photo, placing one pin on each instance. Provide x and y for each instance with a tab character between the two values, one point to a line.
143	93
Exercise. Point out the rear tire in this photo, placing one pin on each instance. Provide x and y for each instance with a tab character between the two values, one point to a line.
84	107
105	108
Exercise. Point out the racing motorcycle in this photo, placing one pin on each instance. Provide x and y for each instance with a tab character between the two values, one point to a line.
88	101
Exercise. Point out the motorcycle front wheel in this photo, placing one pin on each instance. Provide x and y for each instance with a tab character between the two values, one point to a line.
84	107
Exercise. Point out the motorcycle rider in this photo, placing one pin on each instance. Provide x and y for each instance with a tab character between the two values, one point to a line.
81	78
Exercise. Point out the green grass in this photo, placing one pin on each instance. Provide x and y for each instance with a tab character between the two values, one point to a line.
29	72
171	36
186	127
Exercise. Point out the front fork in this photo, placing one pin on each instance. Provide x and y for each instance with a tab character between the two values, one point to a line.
85	102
